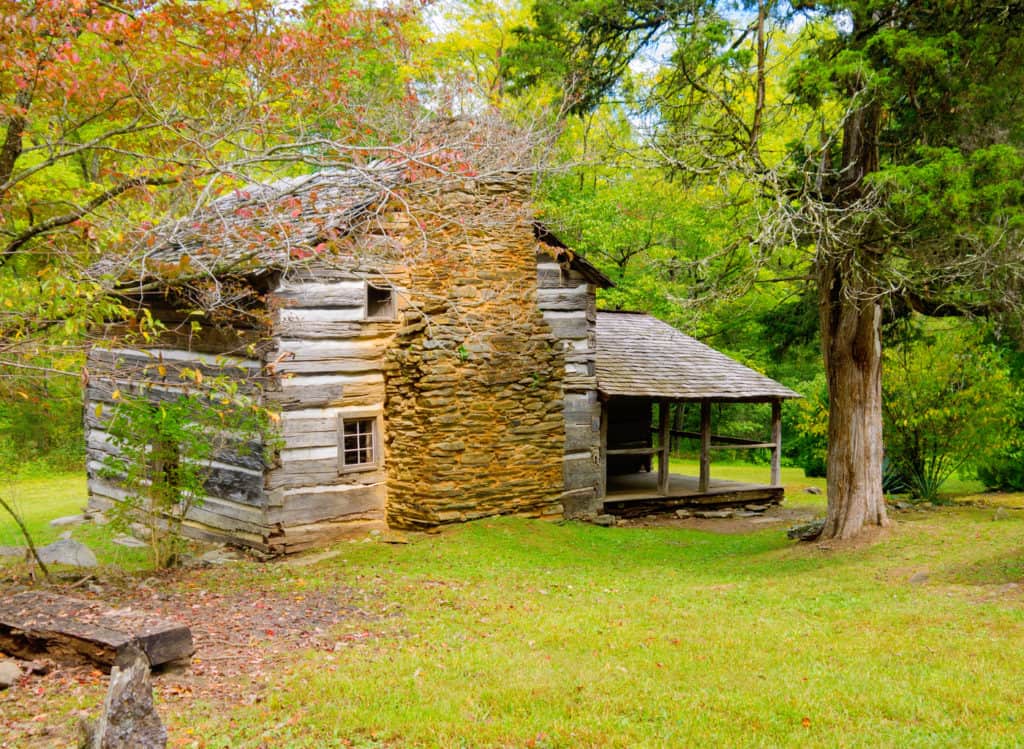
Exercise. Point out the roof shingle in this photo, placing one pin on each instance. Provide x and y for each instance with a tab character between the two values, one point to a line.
640	355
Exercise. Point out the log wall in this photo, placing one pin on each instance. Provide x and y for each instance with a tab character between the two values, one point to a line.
568	303
234	508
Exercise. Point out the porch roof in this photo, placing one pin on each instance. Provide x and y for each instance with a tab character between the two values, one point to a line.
639	355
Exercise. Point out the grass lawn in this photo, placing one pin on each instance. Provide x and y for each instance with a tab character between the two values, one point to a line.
516	633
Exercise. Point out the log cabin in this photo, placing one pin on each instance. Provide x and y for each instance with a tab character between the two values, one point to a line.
432	355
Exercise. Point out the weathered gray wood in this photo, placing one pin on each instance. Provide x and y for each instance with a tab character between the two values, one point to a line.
580	472
303	507
320	295
568	324
302	329
127	362
580	437
663	446
776	442
563	299
307	473
35	622
705	444
640	507
633	451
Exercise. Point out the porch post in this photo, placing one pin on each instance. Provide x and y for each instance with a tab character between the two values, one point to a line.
705	445
664	447
777	442
602	487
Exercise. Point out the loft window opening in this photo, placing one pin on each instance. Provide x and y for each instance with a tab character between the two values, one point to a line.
380	302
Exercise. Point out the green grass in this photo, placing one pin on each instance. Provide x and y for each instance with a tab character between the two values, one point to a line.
517	633
39	500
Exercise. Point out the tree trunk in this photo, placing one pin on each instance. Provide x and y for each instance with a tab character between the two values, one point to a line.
852	345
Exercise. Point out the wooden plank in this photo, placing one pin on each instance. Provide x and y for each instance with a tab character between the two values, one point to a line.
640	506
633	451
311	294
718	440
316	504
705	444
568	324
35	622
777	442
663	446
744	446
563	299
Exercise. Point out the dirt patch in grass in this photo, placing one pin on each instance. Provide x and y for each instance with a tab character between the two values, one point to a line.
242	638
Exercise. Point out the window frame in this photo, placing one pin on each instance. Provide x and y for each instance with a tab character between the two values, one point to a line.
392	307
375	444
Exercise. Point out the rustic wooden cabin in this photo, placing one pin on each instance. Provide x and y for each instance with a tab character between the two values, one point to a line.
435	356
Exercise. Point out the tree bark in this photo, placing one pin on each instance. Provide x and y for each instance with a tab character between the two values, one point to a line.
852	346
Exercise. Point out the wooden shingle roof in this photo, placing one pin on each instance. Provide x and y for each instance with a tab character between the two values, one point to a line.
640	355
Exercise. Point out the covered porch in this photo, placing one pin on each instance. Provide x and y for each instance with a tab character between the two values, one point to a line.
648	370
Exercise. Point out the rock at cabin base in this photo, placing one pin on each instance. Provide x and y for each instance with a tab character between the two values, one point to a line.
67	520
10	672
606	521
130	541
68	551
129	719
715	514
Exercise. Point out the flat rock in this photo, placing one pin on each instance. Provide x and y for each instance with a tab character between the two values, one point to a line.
12	551
67	520
606	521
812	490
714	514
10	672
68	551
682	514
221	556
755	507
130	541
35	622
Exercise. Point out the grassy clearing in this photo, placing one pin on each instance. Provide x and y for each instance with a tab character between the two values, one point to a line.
513	633
39	500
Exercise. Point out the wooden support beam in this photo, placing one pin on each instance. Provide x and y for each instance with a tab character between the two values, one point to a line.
602	489
664	445
705	445
777	442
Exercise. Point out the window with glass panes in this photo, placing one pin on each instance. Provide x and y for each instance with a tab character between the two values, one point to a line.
358	443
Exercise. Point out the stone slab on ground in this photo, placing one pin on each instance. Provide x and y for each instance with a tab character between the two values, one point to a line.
35	622
10	672
68	551
67	520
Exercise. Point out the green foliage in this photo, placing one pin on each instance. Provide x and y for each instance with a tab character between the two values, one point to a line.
947	399
166	450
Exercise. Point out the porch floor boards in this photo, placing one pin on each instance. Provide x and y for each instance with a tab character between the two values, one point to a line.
635	494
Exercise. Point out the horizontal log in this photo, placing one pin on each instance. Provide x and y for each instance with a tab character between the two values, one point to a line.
580	473
722	441
563	299
311	294
318	473
327	503
173	360
217	340
34	622
634	451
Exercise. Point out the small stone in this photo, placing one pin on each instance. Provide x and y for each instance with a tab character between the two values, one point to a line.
807	531
650	517
715	514
1000	514
68	551
67	520
129	717
130	541
682	514
220	556
10	672
66	535
99	518
919	578
745	514
755	507
605	521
